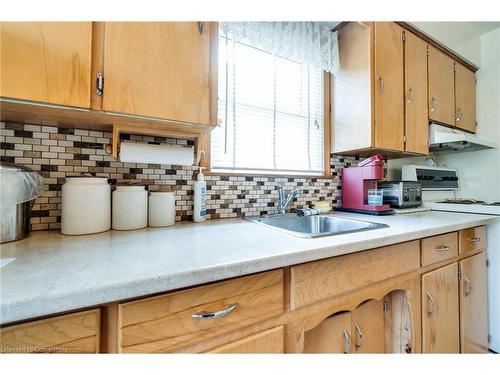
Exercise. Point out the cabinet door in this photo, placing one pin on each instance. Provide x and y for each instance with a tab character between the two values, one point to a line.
416	119
158	69
441	87
465	98
46	62
440	321
473	305
333	335
368	327
267	342
389	115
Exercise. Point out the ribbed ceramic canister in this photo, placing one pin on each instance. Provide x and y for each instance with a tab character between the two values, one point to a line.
161	209
130	208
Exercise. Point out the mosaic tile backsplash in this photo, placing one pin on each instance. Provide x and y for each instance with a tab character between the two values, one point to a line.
57	153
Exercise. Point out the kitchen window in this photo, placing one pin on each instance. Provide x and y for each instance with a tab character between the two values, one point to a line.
272	112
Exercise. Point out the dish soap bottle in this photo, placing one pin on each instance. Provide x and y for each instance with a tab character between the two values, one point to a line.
200	193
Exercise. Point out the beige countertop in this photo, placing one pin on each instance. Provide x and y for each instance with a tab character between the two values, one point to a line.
49	273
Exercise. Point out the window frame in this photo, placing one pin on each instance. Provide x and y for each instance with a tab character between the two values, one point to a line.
206	141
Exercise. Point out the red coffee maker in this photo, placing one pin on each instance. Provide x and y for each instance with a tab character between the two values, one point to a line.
356	181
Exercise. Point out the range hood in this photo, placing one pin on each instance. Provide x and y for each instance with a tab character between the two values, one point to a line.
448	140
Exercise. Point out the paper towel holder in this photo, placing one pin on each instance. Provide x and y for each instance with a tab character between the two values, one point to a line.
113	149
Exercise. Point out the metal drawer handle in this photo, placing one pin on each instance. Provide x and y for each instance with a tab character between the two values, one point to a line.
215	314
361	338
467	282
474	239
443	248
433	305
347	342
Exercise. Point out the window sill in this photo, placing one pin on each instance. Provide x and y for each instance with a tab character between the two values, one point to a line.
263	174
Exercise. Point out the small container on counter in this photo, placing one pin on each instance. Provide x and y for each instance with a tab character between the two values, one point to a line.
86	205
375	197
130	207
161	209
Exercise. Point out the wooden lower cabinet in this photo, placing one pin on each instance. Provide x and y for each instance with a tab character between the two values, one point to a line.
368	327
333	335
70	333
440	311
270	341
473	305
426	295
361	330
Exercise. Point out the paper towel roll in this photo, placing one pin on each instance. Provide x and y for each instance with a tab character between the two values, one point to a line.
156	154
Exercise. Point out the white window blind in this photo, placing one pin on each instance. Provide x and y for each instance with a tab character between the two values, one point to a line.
271	110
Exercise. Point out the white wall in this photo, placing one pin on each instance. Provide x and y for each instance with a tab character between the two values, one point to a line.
479	171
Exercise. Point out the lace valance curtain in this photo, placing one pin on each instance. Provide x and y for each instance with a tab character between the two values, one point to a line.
305	42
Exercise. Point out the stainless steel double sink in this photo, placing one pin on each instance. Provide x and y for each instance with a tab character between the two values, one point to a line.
314	226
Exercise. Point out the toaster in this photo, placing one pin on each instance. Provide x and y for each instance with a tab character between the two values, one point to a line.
401	194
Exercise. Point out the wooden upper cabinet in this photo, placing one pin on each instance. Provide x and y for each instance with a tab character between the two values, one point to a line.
440	311
465	98
46	62
474	305
389	112
368	327
158	69
441	87
416	119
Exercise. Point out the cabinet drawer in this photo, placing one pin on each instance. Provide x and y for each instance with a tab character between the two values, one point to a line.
314	281
271	341
471	239
165	323
71	333
437	248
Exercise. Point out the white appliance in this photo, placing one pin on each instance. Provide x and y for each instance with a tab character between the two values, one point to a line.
445	181
446	140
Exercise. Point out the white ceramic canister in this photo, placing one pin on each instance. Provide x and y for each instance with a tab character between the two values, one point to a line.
161	209
86	205
130	208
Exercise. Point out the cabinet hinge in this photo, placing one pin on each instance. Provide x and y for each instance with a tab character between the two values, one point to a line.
99	84
489	339
386	306
403	37
459	275
405	139
427	50
487	263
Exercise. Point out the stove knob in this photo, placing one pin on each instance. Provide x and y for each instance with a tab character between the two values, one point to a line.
418	198
406	199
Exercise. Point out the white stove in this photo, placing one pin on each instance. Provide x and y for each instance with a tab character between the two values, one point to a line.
439	187
464	205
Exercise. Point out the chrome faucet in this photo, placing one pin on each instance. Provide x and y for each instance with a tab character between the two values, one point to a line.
285	202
